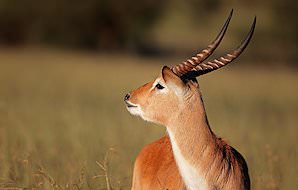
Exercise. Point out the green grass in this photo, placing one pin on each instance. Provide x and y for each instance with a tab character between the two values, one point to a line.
60	112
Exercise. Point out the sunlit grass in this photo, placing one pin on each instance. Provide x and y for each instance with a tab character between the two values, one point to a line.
60	112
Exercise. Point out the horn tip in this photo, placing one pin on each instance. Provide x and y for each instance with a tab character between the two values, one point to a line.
231	12
254	24
255	19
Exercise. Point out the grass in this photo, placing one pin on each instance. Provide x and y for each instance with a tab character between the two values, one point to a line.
61	112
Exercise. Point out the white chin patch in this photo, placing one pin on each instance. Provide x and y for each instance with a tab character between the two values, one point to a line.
135	110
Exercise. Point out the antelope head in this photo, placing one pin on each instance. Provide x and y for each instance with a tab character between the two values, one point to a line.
176	89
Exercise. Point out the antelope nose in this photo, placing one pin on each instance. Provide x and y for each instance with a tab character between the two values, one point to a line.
126	97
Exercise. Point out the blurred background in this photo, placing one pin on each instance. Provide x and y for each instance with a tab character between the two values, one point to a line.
66	65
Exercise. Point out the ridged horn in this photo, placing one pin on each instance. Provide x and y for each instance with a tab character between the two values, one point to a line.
204	68
190	64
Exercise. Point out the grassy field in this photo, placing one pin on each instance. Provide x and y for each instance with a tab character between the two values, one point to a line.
61	112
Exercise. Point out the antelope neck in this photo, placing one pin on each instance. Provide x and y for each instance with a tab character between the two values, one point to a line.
193	144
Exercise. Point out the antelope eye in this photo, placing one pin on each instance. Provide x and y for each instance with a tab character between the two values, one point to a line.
159	87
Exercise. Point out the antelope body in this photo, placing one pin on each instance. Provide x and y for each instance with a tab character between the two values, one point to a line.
189	156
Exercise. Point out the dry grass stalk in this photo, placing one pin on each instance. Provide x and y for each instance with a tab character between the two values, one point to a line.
49	179
104	166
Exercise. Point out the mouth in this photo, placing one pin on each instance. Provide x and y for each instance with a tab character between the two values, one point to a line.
134	109
130	105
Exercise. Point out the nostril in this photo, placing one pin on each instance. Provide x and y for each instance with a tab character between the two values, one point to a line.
127	96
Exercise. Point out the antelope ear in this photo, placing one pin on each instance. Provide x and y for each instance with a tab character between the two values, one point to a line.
172	81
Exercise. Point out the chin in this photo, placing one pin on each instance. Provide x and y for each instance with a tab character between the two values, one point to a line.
135	111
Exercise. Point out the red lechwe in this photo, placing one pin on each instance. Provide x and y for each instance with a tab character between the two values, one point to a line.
189	156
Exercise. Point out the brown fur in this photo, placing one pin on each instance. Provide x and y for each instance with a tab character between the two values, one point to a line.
155	168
